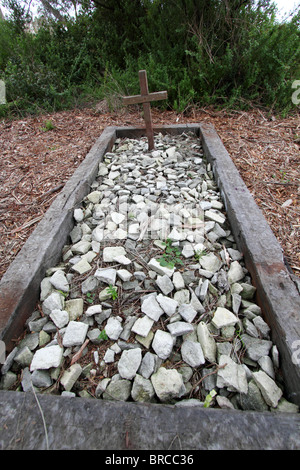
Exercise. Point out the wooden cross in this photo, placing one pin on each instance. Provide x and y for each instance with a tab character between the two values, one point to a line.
145	98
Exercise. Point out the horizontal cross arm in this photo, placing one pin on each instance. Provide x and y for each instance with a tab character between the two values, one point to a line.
136	99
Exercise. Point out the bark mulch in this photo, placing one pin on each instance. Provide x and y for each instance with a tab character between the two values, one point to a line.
36	163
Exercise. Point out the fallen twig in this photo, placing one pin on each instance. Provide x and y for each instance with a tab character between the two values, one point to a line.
78	355
53	190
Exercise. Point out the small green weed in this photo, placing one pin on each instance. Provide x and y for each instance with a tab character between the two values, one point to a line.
171	255
112	291
48	126
103	336
209	398
199	253
65	294
90	297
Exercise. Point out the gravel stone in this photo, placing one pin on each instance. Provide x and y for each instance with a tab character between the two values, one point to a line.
162	344
161	328
168	384
75	334
192	353
46	358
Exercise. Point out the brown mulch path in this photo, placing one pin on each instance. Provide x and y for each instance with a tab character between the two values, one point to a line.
35	164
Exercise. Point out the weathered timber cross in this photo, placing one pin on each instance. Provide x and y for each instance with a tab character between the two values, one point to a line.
145	98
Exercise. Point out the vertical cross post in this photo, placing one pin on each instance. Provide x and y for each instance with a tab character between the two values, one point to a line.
145	98
146	107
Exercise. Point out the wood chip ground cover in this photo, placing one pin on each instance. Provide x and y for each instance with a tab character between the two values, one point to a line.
36	163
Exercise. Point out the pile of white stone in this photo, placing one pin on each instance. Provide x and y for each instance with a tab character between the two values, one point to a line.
145	330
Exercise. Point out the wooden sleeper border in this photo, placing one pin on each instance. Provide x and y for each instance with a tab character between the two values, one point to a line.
191	427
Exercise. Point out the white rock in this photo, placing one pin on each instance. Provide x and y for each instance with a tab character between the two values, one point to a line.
129	363
151	307
196	304
148	365
94	197
270	391
168	304
117	217
163	344
223	317
78	215
232	375
59	281
137	198
47	357
93	310
113	175
74	307
171	152
188	251
98	234
82	267
235	272
133	229
75	334
142	326
109	356
207	342
120	234
122	260
59	317
192	353
178	280
210	262
168	384
266	364
110	252
165	284
175	235
187	312
182	296
124	275
142	389
180	328
215	216
70	376
113	328
107	275
81	247
52	302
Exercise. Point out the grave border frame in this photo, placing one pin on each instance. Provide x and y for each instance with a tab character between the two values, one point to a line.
276	293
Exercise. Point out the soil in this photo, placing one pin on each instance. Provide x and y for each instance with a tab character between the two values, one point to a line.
38	158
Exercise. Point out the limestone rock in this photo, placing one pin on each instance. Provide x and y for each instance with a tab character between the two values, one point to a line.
142	389
118	390
269	390
129	363
192	353
223	317
232	375
59	281
151	307
142	326
162	344
235	272
70	376
113	328
168	384
207	342
47	357
75	334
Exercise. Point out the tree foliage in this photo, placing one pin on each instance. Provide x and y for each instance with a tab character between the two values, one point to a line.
221	52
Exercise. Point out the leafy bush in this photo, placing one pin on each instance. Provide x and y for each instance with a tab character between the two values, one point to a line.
230	54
